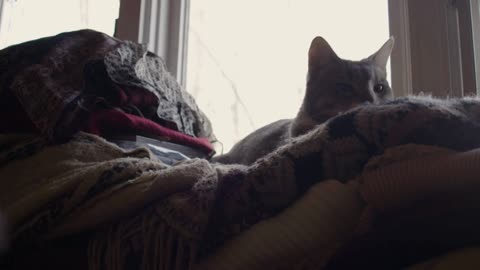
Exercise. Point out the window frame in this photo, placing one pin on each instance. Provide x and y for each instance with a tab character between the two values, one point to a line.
400	59
1	12
475	22
413	70
162	25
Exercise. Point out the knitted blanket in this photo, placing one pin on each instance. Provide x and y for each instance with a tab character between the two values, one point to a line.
143	213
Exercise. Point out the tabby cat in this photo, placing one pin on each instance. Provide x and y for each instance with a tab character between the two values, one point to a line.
333	86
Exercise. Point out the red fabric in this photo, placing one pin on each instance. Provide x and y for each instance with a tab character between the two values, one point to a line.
52	85
110	122
105	122
137	97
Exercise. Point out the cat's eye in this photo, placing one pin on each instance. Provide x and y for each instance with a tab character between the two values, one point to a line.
379	88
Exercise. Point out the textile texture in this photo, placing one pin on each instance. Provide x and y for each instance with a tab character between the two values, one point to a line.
52	85
143	213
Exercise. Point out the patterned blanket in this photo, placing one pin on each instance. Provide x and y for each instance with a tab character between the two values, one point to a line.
140	212
55	83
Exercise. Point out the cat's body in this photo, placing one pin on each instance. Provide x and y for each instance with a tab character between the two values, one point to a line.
334	85
258	143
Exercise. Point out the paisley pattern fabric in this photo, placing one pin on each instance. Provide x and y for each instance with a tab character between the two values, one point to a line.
58	80
143	213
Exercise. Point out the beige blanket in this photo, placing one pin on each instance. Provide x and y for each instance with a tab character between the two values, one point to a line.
330	215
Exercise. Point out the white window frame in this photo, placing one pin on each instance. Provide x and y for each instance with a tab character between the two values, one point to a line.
162	25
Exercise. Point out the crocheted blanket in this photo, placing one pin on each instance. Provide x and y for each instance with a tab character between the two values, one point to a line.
143	213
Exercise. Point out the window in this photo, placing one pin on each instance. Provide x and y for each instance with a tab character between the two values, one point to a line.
247	60
30	19
437	46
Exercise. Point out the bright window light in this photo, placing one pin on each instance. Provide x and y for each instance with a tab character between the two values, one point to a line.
23	20
247	60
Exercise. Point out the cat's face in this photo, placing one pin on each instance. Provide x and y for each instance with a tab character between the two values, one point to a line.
335	85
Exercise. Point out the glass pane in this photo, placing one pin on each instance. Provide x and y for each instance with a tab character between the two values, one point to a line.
247	60
23	20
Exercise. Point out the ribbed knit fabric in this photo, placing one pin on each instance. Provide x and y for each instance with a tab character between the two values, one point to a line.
402	183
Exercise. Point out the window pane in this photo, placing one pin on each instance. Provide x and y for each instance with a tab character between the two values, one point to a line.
247	60
23	20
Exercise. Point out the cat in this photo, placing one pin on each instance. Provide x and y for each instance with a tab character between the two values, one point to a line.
334	85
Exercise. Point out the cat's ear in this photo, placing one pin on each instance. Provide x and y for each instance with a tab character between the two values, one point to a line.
320	53
380	58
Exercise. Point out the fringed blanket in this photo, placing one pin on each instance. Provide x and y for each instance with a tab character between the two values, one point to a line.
144	214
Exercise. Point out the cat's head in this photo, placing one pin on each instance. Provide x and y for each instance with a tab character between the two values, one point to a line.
336	85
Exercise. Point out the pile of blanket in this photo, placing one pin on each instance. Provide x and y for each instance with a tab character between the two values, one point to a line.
137	211
86	80
380	187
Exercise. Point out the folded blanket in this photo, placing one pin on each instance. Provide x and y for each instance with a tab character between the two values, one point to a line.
51	86
422	202
303	236
466	258
345	221
112	122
